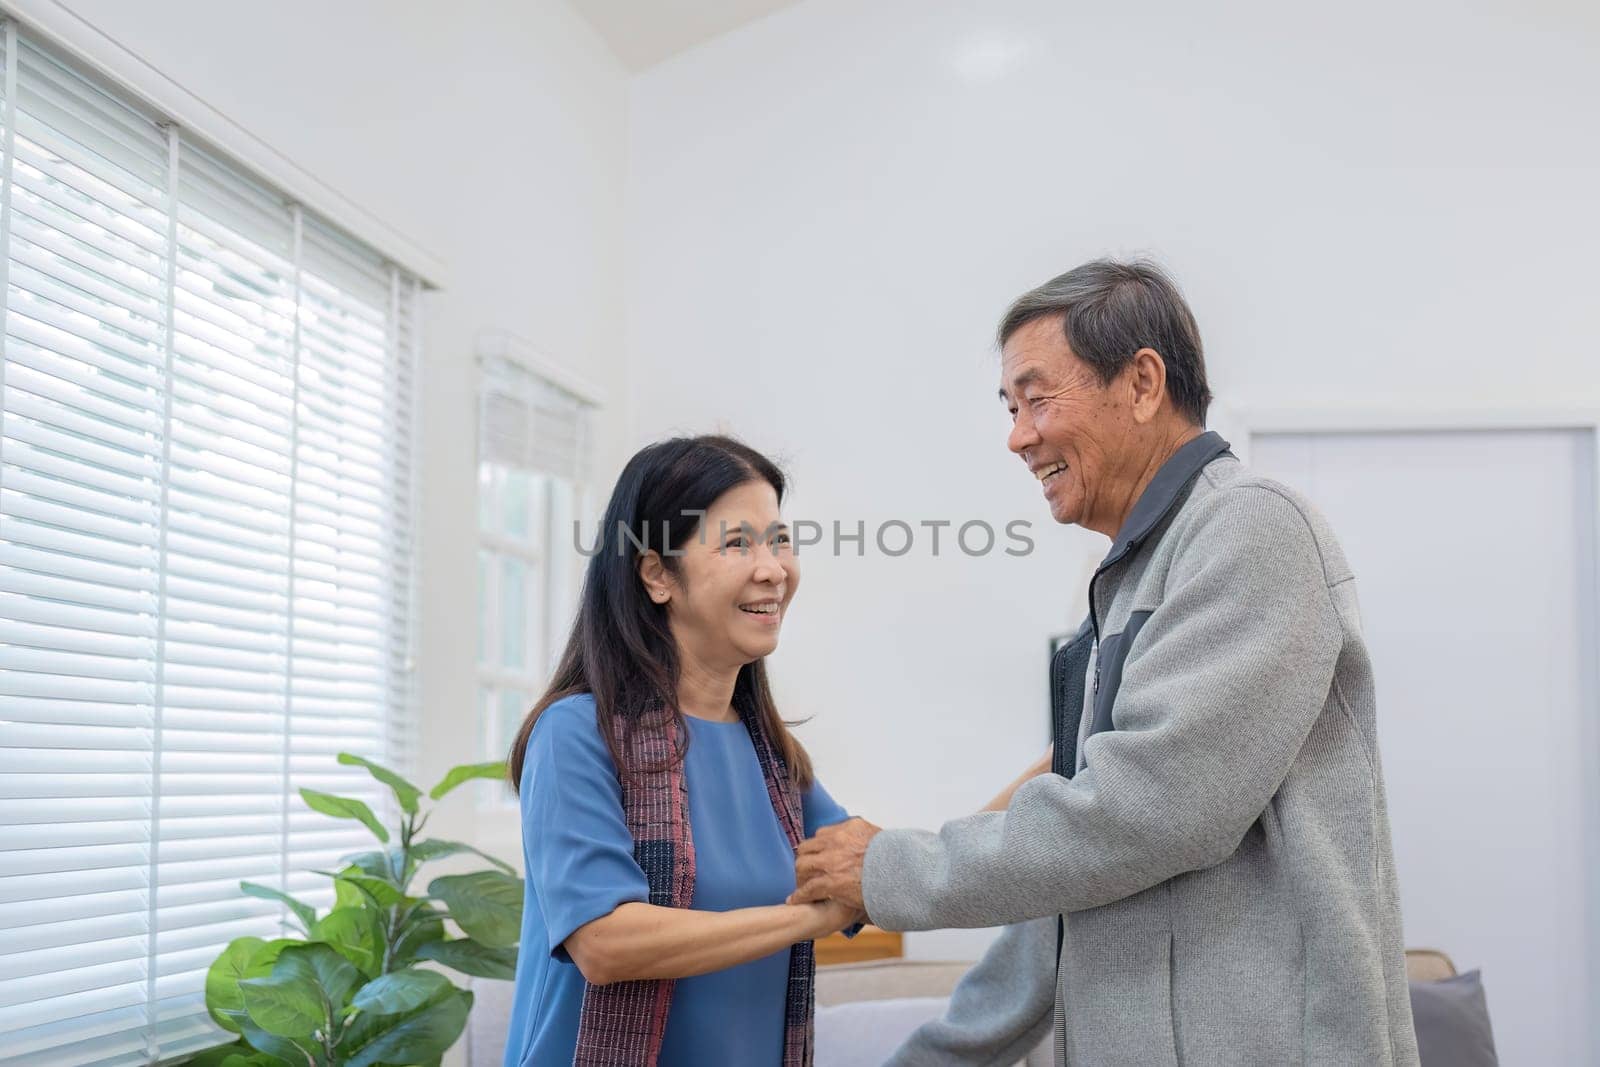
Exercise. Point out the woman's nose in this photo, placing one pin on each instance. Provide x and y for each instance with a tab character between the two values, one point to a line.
768	567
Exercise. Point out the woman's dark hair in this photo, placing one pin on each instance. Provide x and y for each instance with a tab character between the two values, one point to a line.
621	649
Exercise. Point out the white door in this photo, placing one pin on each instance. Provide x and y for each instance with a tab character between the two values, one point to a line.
1474	555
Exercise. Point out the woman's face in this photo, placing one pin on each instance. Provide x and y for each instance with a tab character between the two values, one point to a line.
736	576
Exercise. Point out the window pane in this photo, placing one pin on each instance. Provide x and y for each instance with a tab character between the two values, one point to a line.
486	497
513	614
486	721
485	565
565	563
514	704
516	504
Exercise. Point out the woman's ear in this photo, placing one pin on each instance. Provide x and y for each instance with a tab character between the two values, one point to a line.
653	573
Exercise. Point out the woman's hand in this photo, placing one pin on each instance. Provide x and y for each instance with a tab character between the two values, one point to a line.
829	917
1002	800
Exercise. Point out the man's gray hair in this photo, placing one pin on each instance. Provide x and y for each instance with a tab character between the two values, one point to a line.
1109	311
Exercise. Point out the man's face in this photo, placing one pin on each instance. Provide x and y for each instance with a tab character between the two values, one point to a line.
1066	426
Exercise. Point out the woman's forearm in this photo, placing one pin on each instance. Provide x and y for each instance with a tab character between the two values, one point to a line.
644	941
1002	800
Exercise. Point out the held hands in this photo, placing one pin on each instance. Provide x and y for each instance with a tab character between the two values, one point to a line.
829	917
828	866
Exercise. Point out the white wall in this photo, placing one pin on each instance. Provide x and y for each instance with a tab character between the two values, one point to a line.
828	210
1486	689
493	135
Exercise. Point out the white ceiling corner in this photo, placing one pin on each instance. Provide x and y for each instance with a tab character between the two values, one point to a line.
644	32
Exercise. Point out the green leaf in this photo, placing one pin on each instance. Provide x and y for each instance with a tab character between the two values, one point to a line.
354	933
345	808
287	1005
466	773
254	1059
404	791
417	1037
304	912
268	954
382	863
467	956
324	967
349	895
237	1054
401	991
223	999
423	851
487	905
423	928
240	1054
384	893
281	1050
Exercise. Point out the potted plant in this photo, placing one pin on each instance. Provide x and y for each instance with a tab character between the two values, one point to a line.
350	990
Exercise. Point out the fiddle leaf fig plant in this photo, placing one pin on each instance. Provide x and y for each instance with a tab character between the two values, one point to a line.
351	989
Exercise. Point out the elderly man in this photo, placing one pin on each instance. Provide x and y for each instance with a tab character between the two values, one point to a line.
1206	877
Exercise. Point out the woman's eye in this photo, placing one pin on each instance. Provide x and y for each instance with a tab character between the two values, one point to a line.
781	539
734	542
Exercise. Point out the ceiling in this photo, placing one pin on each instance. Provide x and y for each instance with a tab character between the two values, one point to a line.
644	32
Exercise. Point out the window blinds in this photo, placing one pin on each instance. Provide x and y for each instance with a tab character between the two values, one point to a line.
206	560
532	424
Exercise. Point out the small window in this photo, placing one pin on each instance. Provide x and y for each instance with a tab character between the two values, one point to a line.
533	462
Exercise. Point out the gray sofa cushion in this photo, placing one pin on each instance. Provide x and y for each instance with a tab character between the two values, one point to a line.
1452	1020
864	1033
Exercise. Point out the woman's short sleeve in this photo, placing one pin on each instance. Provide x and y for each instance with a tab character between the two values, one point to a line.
580	854
821	809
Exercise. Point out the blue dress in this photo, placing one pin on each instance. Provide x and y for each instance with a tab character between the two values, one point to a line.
578	858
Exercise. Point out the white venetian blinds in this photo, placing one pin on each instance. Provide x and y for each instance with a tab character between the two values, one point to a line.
206	559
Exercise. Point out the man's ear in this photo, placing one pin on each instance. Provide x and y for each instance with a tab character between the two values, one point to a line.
1147	381
653	573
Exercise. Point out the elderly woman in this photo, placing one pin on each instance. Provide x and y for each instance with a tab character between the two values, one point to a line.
663	797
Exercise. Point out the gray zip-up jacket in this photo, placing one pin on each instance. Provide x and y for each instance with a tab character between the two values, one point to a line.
1207	878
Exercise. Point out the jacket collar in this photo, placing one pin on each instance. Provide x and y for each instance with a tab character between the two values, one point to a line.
1165	491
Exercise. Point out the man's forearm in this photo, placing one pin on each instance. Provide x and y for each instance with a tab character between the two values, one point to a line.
1000	1009
1206	730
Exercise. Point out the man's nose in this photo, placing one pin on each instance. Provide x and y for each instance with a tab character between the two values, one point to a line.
1022	436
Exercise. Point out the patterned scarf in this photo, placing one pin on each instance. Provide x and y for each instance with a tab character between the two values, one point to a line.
623	1024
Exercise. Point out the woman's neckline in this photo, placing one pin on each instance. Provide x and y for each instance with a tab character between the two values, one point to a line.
712	722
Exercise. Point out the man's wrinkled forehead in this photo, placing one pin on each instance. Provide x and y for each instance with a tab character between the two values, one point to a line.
1033	354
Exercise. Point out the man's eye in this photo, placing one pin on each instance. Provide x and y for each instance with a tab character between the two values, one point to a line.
734	542
781	539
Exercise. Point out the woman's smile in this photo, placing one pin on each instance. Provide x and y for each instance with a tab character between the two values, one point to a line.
765	613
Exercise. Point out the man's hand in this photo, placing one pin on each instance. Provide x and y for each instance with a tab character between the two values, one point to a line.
828	866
